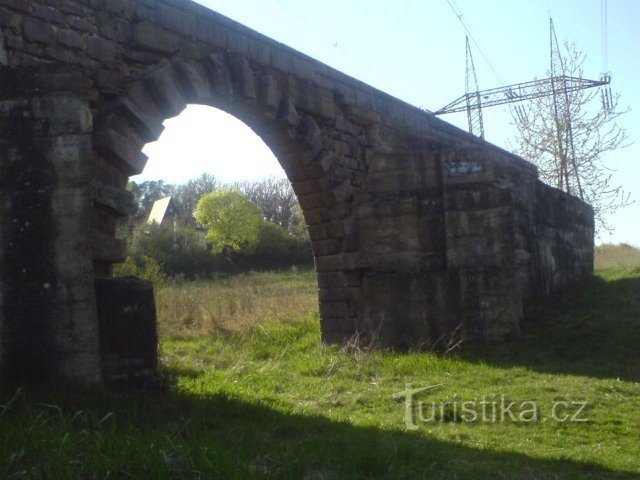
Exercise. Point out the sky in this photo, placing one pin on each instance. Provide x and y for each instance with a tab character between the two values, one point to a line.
415	51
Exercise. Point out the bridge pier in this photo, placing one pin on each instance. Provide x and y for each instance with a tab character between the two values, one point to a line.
48	323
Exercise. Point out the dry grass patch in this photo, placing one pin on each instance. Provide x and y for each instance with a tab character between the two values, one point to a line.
621	256
235	303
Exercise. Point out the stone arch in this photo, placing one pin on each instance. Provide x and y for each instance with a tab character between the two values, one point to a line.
298	139
416	225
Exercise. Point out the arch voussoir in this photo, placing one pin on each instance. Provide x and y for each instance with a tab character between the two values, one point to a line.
165	89
121	150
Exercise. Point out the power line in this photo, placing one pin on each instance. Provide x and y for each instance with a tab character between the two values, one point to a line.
457	11
605	35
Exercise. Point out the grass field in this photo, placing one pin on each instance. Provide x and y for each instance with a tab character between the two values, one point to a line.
253	394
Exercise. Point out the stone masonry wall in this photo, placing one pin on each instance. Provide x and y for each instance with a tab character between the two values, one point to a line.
419	230
47	308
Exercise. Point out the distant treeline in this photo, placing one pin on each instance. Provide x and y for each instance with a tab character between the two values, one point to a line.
621	256
177	247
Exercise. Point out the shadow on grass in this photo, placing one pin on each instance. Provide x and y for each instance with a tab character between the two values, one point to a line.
185	436
591	330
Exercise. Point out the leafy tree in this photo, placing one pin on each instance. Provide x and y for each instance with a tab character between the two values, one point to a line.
577	166
232	220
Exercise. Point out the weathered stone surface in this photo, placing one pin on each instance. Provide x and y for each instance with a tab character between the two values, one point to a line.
4	58
242	76
123	152
151	37
138	107
209	32
108	249
121	202
71	39
164	87
37	31
128	336
193	80
48	326
101	49
419	230
176	20
219	74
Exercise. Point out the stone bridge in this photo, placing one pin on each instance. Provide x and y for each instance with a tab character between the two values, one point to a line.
418	228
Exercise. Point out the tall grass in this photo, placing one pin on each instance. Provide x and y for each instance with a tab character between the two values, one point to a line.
231	304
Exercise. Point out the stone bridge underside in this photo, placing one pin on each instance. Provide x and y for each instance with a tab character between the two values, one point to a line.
418	228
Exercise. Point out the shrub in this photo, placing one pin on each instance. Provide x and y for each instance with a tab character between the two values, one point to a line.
177	252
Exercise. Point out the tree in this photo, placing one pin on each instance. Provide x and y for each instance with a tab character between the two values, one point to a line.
189	194
232	220
569	146
146	193
276	199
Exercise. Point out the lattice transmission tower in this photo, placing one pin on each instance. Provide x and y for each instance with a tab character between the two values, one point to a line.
559	85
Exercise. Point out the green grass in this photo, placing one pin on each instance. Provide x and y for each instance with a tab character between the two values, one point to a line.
264	398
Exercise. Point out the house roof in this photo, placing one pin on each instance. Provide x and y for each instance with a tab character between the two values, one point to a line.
160	210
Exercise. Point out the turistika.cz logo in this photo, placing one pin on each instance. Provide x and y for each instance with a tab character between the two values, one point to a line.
486	409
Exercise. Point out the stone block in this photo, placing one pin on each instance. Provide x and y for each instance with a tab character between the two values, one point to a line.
82	25
48	14
317	216
219	76
333	310
106	248
269	91
176	20
242	76
193	80
237	42
121	151
120	202
141	111
101	49
35	30
387	162
326	247
164	87
209	32
344	326
332	280
19	5
128	332
71	39
147	36
64	114
287	112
